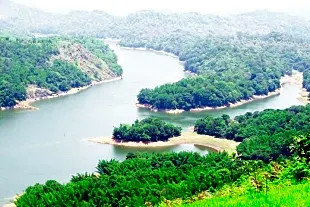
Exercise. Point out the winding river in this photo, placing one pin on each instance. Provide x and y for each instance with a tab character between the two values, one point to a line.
50	143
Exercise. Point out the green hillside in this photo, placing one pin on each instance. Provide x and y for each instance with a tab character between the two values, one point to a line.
296	195
51	66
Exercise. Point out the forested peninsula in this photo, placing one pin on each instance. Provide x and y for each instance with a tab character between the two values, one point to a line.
229	71
37	68
154	133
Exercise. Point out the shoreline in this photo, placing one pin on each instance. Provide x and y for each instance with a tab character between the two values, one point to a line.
231	105
296	78
209	142
162	52
27	103
303	96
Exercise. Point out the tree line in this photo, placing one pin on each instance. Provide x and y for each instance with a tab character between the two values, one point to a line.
149	129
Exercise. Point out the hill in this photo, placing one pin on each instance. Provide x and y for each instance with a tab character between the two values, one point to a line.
38	68
146	25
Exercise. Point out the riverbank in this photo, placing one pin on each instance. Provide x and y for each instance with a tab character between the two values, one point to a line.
296	79
230	105
162	52
27	103
211	143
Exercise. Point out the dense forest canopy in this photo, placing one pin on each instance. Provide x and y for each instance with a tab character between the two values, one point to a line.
265	135
148	179
229	70
149	129
25	62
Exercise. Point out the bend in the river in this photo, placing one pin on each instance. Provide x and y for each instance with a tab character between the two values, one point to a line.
50	143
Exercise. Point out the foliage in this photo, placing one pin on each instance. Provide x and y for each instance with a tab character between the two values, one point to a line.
102	51
137	180
149	129
279	195
229	70
301	146
265	135
28	61
149	179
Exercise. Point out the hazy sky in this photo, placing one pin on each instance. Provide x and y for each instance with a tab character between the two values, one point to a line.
123	7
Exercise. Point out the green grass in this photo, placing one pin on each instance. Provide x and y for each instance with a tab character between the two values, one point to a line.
297	195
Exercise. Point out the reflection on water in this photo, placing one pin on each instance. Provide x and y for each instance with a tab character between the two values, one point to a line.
122	151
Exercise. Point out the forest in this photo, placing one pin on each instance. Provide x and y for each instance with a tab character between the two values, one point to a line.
230	70
156	179
264	135
27	61
146	130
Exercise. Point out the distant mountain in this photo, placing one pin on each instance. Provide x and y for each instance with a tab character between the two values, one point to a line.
146	25
9	9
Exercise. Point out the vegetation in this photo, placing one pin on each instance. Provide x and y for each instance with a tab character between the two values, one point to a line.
265	135
102	51
230	70
149	129
28	61
148	179
277	195
144	26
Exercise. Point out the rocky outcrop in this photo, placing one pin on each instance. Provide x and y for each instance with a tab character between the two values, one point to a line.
75	53
34	92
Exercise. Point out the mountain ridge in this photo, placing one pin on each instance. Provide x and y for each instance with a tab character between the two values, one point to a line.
101	24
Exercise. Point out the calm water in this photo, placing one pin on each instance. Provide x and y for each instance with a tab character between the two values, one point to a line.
50	143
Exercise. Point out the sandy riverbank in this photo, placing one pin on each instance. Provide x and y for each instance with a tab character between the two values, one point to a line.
27	103
9	205
212	143
12	200
297	79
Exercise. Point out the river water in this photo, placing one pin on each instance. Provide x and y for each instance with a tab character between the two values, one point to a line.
50	143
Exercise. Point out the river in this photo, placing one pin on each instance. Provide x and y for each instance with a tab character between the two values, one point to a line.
50	143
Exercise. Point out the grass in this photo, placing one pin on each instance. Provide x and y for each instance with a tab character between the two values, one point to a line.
280	196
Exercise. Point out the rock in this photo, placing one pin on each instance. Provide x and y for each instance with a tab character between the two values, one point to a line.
34	92
75	53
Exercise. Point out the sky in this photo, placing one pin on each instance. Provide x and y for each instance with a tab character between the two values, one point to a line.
220	7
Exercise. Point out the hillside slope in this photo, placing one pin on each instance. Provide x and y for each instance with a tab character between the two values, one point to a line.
281	196
43	67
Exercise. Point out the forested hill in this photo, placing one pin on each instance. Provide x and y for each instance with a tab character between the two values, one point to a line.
35	68
145	25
